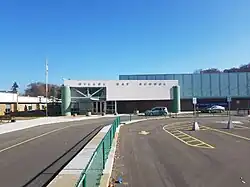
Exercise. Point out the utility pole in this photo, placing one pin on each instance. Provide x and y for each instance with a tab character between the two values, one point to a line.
17	101
46	84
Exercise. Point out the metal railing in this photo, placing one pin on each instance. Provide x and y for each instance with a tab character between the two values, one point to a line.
91	176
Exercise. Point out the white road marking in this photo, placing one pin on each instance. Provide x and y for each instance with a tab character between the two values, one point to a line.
225	122
36	137
144	132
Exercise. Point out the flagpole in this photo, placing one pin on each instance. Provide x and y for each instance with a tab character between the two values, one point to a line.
46	85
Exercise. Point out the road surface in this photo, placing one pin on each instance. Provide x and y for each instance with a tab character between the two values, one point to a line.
25	153
165	153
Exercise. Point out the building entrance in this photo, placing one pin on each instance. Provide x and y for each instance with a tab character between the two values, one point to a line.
99	107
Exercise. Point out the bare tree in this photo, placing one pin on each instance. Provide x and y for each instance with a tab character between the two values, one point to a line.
38	89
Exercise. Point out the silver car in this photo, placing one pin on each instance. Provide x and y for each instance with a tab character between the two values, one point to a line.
214	109
157	111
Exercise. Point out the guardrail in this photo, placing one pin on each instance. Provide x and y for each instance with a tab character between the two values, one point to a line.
91	176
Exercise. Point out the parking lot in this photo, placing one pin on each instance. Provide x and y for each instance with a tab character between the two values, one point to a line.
167	152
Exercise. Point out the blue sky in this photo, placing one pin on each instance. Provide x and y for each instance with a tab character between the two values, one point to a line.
101	39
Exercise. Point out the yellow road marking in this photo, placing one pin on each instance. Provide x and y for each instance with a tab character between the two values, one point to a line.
182	136
190	141
36	137
199	144
204	145
187	138
177	134
228	133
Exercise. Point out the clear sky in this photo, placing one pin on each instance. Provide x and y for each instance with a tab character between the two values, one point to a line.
97	39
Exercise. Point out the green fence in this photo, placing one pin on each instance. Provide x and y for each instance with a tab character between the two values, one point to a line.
91	176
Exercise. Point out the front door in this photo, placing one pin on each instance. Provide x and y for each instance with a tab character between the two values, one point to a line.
95	108
99	107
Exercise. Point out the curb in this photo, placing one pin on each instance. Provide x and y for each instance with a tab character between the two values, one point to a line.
71	173
105	179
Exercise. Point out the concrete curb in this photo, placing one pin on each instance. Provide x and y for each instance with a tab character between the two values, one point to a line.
110	162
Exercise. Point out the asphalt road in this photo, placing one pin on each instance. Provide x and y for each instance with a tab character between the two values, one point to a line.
159	159
25	153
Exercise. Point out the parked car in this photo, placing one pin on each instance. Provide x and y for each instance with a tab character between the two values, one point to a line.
213	109
157	111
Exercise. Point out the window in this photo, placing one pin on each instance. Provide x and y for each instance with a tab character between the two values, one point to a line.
79	84
123	77
145	84
150	77
84	83
122	84
155	83
140	84
30	107
117	84
141	77
164	84
8	108
159	84
159	77
88	84
93	84
103	84
149	83
99	84
127	83
7	111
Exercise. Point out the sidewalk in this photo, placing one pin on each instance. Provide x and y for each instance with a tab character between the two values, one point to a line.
24	124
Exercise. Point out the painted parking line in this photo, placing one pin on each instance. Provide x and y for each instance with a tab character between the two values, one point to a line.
183	126
228	133
241	127
187	139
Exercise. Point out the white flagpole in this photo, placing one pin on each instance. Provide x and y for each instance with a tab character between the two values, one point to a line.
46	85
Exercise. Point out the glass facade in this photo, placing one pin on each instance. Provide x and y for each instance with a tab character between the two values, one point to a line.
242	80
197	91
214	85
